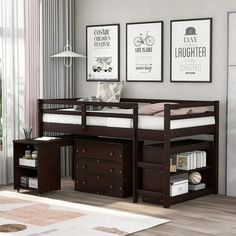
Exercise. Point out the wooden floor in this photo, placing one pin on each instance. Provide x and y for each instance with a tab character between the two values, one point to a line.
209	215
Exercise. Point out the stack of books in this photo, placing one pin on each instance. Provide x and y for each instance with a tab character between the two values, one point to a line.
24	181
191	160
195	187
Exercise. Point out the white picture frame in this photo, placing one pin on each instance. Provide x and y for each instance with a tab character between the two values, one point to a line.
102	52
144	51
191	50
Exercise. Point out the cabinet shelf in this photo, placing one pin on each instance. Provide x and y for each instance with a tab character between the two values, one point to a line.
48	164
156	177
179	172
27	167
26	188
190	195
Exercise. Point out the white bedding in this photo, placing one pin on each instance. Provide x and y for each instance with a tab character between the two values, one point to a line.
144	121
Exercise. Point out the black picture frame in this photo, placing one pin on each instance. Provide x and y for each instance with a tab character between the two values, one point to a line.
195	68
153	57
105	68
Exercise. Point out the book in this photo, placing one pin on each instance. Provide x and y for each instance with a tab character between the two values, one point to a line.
195	187
191	160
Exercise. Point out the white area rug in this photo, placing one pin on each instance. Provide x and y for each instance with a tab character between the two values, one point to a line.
45	216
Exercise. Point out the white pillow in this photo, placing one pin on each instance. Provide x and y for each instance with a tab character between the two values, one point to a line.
109	92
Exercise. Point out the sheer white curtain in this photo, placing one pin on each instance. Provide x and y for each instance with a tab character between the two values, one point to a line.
12	70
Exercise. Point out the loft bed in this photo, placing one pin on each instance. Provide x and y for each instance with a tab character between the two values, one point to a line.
57	115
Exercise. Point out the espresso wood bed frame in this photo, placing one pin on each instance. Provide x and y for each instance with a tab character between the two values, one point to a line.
50	106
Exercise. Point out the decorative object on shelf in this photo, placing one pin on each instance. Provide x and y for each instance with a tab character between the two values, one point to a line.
27	132
102	50
67	54
144	51
27	154
172	166
194	177
191	50
34	155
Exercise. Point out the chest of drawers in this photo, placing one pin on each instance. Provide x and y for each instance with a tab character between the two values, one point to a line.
103	166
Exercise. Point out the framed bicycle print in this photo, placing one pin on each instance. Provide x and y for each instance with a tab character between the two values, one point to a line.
191	50
102	52
144	51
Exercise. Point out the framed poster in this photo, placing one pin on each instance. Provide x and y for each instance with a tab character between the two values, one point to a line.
102	52
191	50
144	51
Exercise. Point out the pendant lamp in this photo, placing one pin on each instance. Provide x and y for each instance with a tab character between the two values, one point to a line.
67	53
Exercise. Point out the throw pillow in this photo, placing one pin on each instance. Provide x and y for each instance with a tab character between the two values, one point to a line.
109	92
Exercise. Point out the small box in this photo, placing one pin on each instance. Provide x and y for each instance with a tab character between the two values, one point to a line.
27	162
33	182
178	188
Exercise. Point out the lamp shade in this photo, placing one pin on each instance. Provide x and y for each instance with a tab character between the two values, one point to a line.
67	53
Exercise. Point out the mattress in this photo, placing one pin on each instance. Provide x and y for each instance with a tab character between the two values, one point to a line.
144	121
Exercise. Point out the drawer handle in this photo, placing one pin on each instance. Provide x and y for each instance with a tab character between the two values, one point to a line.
77	150
120	155
77	166
112	186
98	176
84	150
120	172
84	166
112	170
84	182
98	160
112	154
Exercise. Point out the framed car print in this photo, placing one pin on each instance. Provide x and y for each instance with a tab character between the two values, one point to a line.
191	50
102	52
144	51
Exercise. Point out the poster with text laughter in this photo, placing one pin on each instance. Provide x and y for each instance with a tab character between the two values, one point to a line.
191	50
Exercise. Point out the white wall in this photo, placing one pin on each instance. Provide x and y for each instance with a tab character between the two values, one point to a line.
89	12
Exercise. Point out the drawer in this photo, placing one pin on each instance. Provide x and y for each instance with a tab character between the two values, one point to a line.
106	151
99	185
153	179
153	154
90	166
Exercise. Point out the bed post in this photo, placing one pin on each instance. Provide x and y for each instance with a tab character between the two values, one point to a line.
166	171
216	147
135	153
40	118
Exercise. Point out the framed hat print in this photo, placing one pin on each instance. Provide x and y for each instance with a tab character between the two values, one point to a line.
191	50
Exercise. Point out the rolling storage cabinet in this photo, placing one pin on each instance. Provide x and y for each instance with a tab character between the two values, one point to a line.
44	176
103	166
